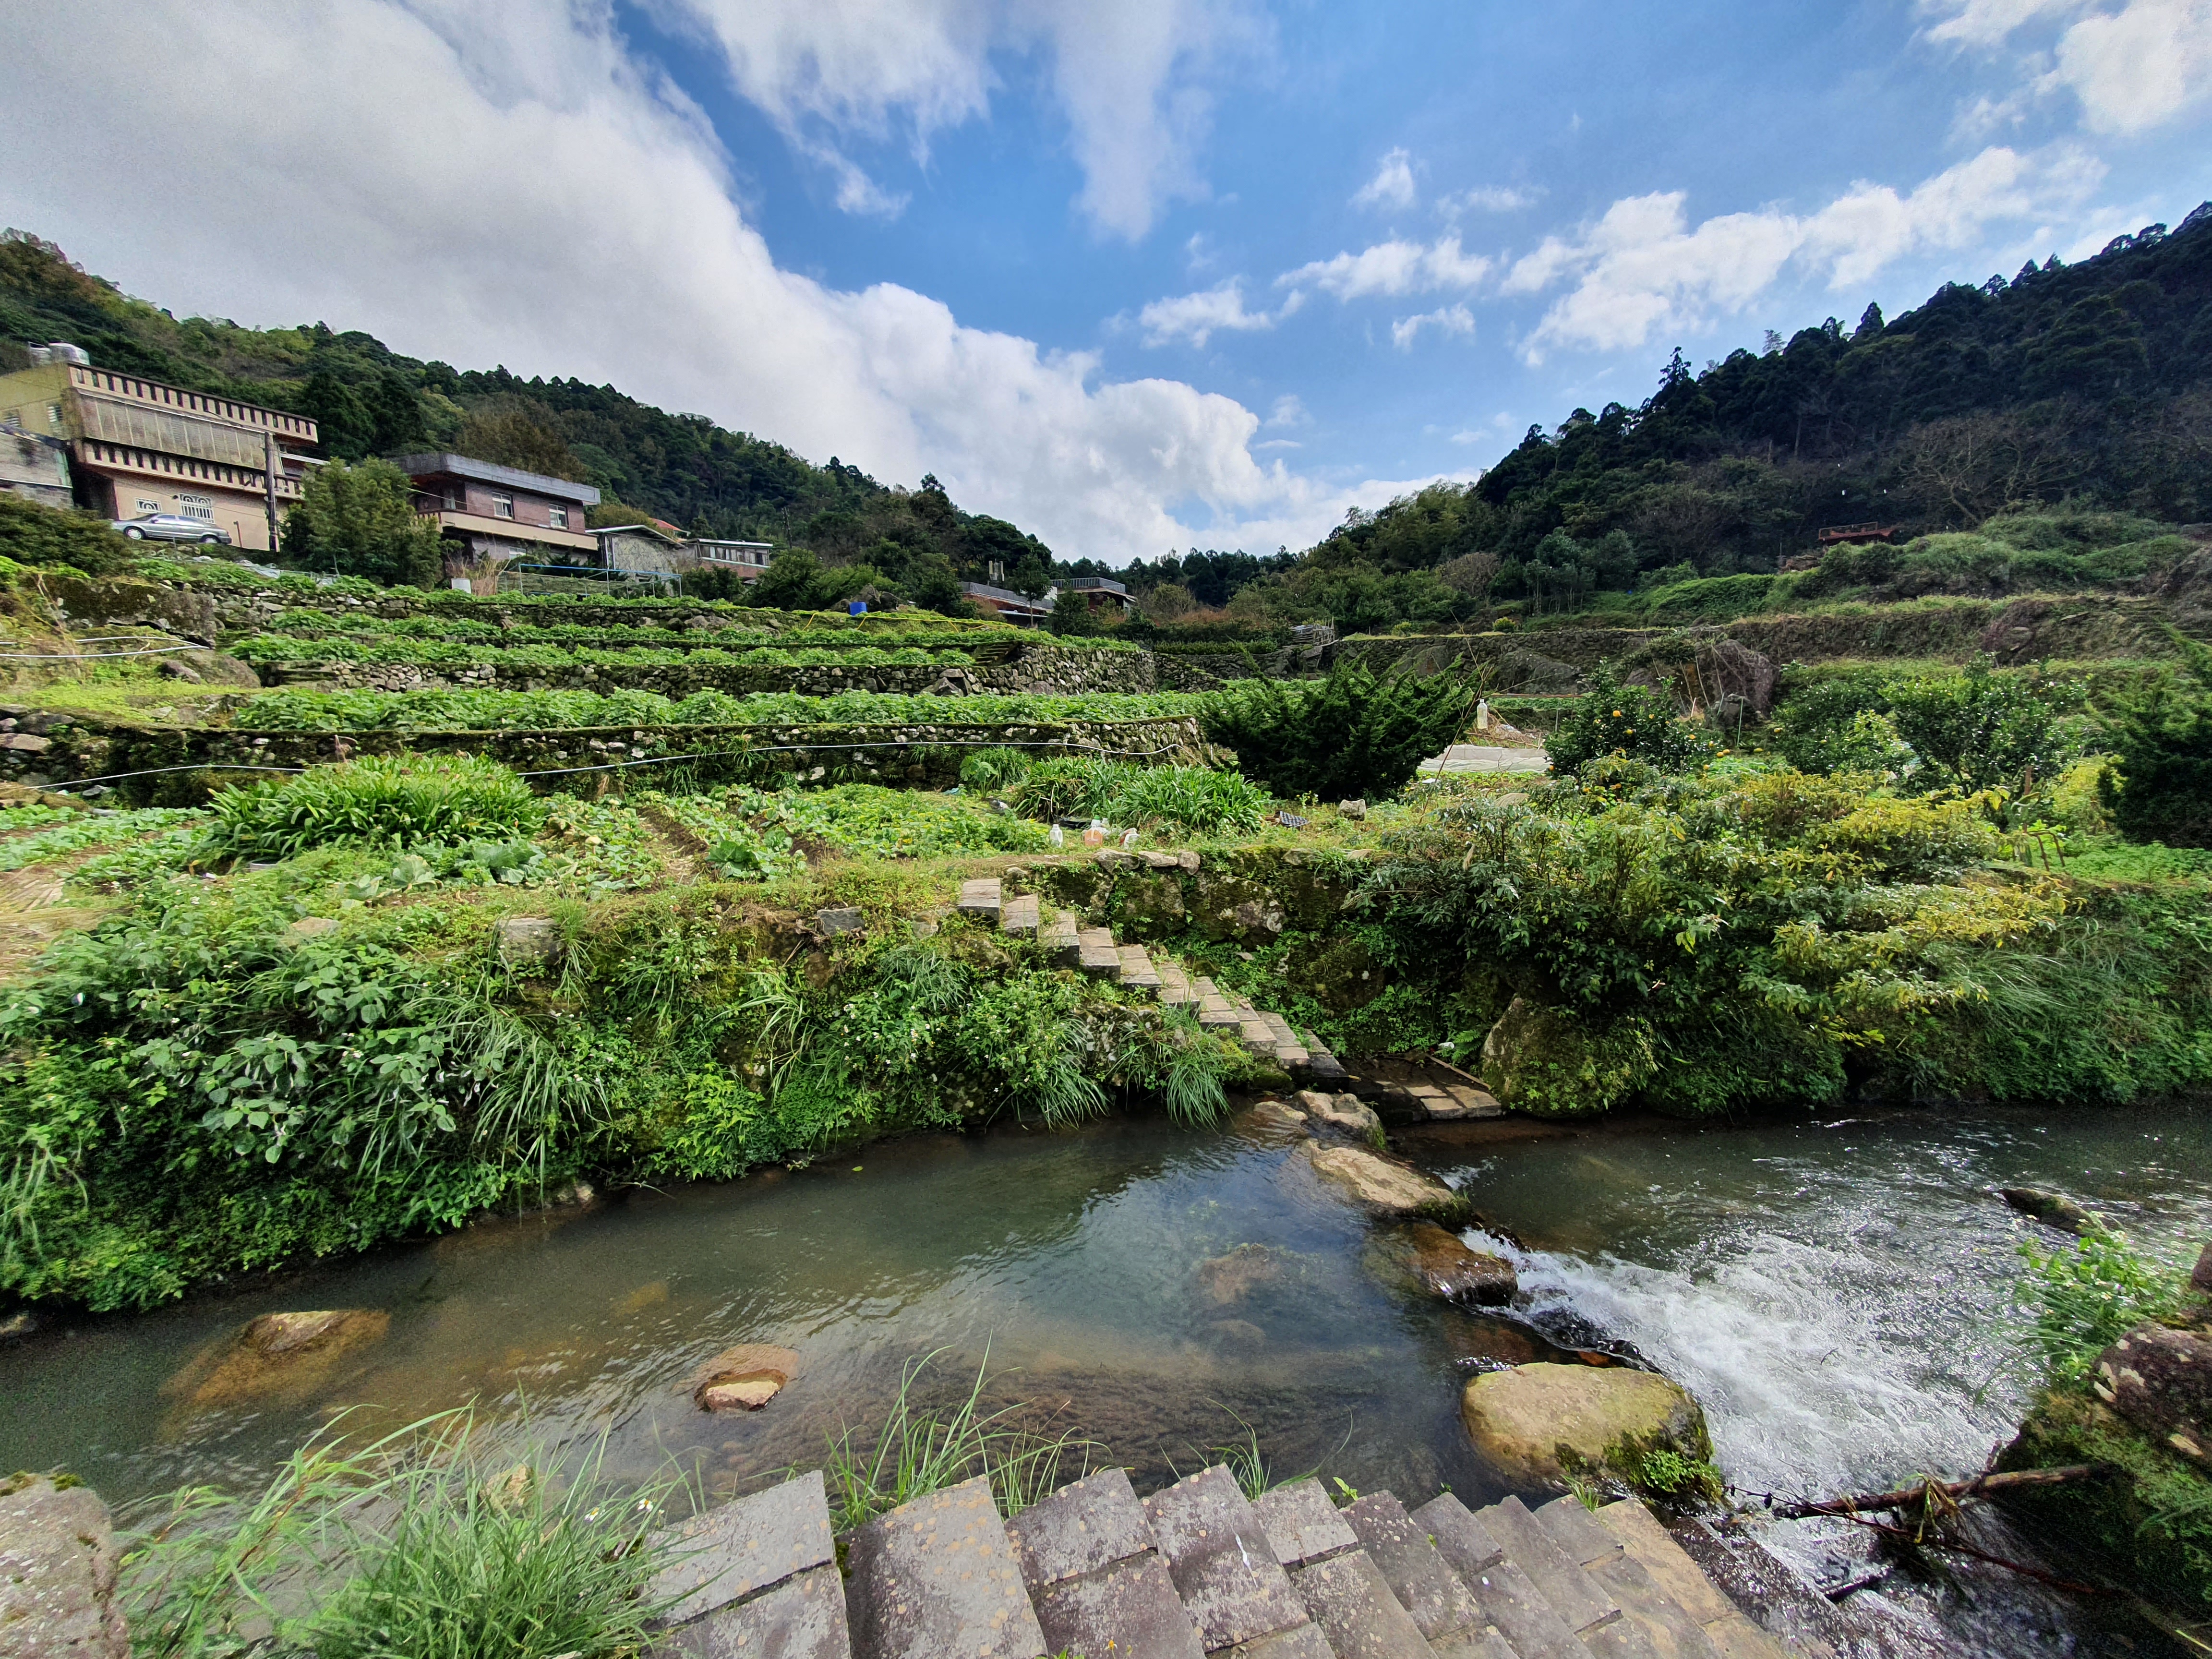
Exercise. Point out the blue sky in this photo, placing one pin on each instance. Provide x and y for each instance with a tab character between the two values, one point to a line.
1170	272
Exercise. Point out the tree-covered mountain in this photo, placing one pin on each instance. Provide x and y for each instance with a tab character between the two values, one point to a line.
370	400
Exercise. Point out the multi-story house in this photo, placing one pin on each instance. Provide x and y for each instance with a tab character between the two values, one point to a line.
494	516
139	446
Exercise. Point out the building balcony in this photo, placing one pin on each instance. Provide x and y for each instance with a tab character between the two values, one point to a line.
450	522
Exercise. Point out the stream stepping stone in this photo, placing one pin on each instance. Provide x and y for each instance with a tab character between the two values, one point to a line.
1507	1596
756	1576
940	1577
1018	915
1223	1565
1429	1590
1302	1524
1350	1600
980	898
1578	1598
1099	1586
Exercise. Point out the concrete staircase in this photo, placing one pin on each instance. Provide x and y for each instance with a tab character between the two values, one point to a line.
1193	1571
1095	951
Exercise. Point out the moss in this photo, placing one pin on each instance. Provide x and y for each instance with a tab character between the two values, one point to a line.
2150	1530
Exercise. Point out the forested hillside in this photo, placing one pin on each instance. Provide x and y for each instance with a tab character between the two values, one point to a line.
369	400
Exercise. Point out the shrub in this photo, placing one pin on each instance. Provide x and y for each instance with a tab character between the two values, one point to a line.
386	801
2162	739
33	534
1633	721
1982	730
360	521
1355	734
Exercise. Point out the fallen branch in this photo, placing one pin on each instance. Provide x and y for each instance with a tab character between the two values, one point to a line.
1948	1493
1918	1541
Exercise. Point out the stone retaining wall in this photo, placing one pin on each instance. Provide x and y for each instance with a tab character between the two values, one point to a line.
186	764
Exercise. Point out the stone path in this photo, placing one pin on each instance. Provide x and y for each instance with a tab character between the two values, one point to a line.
1483	758
1096	951
1195	1570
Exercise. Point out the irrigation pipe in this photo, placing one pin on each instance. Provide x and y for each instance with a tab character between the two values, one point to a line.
649	760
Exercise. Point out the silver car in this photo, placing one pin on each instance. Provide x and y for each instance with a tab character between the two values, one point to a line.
170	527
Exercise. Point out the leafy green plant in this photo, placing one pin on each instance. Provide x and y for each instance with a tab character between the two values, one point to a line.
390	802
994	771
1982	730
1636	722
1355	733
1193	800
2161	738
2086	1297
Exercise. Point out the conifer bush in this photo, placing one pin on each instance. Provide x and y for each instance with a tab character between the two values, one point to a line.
1355	734
2163	741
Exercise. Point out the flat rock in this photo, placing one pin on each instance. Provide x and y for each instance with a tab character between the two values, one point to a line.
58	1574
940	1577
1386	1187
842	919
1274	1115
744	1378
1302	1524
1230	1278
283	1355
2054	1208
2160	1379
1452	1270
744	1547
1348	1114
1129	1608
1532	1422
1081	1527
1223	1565
803	1619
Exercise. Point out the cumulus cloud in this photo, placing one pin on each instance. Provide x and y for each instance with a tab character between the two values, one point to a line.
1393	268
1392	186
1446	320
1641	267
1196	317
2132	65
506	183
1129	78
1289	411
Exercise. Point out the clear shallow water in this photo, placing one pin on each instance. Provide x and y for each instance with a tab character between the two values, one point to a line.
1835	1291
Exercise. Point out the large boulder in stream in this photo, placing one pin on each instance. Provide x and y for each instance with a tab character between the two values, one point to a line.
2160	1380
744	1378
1386	1187
281	1358
1537	1425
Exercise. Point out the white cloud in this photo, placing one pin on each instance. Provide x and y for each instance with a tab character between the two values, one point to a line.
1446	320
1640	267
509	186
2132	65
1496	198
1392	186
1393	268
1128	77
1289	412
1196	317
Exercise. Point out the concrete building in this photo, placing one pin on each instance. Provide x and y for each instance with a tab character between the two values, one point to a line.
493	516
748	559
136	447
653	549
34	464
1006	605
1101	594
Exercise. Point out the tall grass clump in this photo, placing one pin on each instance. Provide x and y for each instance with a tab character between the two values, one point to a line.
382	801
1181	800
423	1545
994	771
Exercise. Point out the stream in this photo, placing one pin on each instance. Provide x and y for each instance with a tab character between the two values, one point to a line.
1834	1291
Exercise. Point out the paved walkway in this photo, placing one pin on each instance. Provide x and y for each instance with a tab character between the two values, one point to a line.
1482	757
1193	1571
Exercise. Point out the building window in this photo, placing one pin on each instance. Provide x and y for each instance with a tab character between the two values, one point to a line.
502	507
196	507
452	498
558	517
54	416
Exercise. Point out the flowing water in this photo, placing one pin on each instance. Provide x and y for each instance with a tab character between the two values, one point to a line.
1833	1290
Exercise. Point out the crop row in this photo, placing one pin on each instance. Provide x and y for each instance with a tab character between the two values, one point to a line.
432	653
289	710
305	623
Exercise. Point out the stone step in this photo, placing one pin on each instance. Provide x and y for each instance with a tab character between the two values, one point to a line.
1060	937
1225	1568
1252	1032
1175	988
1098	956
1302	1524
1429	1590
980	898
1019	914
1508	1597
940	1575
1348	1597
1647	1543
756	1576
1322	1066
1663	1626
1137	970
1098	1581
1578	1598
1288	1049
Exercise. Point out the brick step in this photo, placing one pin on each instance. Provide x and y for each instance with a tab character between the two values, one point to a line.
1225	1569
1443	1608
1095	1575
757	1576
1061	938
938	1575
1664	1626
1578	1598
1137	970
1097	955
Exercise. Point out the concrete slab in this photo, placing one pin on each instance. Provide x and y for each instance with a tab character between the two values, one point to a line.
1578	1598
939	1577
1349	1599
802	1619
1429	1590
1019	914
1129	1608
1083	1526
981	897
1507	1598
1305	1641
1302	1524
1485	757
743	1547
1223	1565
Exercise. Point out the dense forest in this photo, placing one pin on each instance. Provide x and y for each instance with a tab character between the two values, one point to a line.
369	400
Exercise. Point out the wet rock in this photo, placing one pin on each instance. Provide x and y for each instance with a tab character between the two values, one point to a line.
1388	1188
526	941
18	1325
1534	1424
282	1355
1347	1113
2160	1379
1450	1269
744	1378
1230	1278
1274	1115
2055	1208
1238	1335
58	1573
2200	1279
